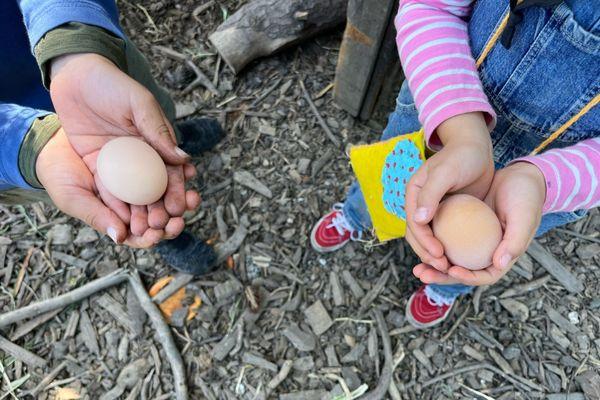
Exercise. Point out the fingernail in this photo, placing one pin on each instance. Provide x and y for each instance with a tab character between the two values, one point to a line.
181	153
420	214
505	260
112	233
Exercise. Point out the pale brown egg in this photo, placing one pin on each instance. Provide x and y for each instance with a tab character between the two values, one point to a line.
469	231
132	171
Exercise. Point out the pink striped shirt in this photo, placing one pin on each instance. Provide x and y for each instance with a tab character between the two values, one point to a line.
433	44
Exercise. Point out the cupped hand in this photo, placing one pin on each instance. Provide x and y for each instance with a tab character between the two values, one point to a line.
97	102
71	187
517	197
464	165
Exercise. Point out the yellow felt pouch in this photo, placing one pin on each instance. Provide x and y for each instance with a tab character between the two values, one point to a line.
383	170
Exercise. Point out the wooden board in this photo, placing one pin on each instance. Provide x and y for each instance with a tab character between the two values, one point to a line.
367	27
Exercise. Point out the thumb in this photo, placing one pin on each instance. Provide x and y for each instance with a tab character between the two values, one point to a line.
521	225
152	124
435	186
89	209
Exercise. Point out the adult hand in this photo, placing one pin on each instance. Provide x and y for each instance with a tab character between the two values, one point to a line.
517	197
97	102
464	165
71	187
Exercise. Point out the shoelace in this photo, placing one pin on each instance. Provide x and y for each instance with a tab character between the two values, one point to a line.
341	224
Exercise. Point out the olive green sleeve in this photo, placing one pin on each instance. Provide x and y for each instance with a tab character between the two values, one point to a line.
78	38
39	134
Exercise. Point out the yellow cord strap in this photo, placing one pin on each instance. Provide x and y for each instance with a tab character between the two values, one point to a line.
556	134
567	125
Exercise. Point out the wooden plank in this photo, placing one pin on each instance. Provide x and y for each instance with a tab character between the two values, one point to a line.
366	27
386	72
554	267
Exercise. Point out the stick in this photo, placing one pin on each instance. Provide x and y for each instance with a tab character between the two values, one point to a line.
21	354
456	324
164	335
74	296
315	111
388	365
46	381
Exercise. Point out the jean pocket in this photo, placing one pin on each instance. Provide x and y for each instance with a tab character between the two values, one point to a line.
558	75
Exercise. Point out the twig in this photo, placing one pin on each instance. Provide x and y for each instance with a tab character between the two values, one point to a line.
41	307
201	78
456	324
20	353
388	365
266	93
577	235
46	381
315	111
22	271
280	377
164	335
177	283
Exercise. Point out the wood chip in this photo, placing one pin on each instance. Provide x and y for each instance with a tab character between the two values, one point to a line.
301	340
115	309
564	324
248	180
555	268
336	289
516	309
355	288
318	318
258	361
88	333
501	362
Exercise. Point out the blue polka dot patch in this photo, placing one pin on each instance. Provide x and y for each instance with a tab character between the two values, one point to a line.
399	166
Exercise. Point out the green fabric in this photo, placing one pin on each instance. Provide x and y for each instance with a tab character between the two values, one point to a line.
39	134
78	38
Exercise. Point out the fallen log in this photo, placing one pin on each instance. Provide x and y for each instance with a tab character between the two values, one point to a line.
262	27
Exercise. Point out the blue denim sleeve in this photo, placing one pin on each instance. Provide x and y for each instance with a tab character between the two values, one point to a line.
15	121
41	16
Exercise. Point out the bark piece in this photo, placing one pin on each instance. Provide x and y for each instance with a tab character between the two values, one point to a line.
262	27
318	318
301	340
555	268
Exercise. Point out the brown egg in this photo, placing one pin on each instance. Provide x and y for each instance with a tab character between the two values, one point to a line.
132	171
469	231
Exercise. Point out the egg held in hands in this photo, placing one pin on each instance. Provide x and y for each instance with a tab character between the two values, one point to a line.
132	171
469	231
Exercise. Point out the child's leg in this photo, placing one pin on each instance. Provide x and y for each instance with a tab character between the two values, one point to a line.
403	120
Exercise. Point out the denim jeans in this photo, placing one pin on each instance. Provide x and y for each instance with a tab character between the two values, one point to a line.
564	40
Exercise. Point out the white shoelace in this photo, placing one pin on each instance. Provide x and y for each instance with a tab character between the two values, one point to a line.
341	224
435	299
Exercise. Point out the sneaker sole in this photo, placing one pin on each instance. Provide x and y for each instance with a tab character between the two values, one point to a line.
320	249
420	325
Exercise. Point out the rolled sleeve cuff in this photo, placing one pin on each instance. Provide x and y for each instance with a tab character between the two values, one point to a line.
15	123
41	131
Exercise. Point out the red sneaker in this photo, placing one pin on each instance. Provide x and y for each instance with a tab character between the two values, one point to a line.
422	312
332	231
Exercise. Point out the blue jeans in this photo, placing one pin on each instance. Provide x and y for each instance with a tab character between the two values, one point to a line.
563	40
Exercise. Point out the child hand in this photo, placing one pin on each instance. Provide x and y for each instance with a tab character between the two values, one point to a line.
464	165
517	196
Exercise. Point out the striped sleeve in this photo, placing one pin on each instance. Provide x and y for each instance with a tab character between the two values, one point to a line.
433	44
571	175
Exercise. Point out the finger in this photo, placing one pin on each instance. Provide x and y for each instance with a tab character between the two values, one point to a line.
481	277
153	126
440	263
119	207
89	209
189	171
428	275
422	233
192	200
174	227
139	220
150	238
158	217
520	226
175	198
438	182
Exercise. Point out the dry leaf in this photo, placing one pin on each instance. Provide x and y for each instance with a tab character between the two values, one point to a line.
175	302
66	394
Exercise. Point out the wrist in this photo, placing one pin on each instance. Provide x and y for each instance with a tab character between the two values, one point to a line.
534	175
469	127
60	63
